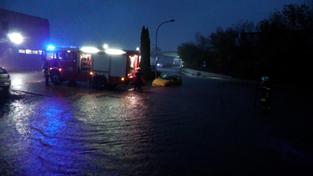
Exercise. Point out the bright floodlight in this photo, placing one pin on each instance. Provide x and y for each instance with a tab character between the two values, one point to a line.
114	51
16	38
89	49
105	46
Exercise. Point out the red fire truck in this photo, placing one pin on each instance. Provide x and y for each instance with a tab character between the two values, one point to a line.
99	67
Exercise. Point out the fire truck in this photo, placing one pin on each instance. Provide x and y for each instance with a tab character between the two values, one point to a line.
99	67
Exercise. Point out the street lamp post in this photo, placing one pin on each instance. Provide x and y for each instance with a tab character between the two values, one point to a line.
156	42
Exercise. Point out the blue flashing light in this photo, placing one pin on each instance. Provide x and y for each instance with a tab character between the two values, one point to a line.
50	47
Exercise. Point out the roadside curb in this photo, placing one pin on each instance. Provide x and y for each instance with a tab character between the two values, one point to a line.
203	74
207	75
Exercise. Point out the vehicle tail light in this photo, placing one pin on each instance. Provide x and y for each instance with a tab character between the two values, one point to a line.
130	76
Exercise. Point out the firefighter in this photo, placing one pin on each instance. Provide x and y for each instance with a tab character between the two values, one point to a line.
138	80
266	91
46	72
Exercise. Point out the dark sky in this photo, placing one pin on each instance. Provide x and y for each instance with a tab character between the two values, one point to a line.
118	22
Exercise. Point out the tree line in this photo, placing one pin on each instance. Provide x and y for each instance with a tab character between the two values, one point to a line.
280	46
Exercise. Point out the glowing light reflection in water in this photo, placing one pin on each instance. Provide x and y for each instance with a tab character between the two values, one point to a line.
120	126
17	82
91	135
46	129
20	116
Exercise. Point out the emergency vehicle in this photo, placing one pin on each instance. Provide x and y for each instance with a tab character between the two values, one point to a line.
99	67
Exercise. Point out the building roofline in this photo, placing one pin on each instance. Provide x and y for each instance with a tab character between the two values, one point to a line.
23	14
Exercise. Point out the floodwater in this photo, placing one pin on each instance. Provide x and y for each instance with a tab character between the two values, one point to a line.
204	127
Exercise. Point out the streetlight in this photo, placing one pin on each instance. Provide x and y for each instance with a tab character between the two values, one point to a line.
156	41
16	38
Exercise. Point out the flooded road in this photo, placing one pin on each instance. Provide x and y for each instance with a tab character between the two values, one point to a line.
204	127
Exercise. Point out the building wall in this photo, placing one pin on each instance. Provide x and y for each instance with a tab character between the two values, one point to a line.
36	33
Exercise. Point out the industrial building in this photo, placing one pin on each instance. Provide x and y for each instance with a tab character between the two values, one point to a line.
22	41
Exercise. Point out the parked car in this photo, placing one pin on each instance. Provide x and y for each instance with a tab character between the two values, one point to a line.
167	80
5	81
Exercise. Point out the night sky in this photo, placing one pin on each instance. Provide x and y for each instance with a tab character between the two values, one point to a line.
118	22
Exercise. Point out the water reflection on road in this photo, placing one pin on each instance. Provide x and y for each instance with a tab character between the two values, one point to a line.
82	135
40	135
119	134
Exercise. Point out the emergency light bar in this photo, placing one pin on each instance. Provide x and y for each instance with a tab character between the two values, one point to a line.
50	47
111	51
89	49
